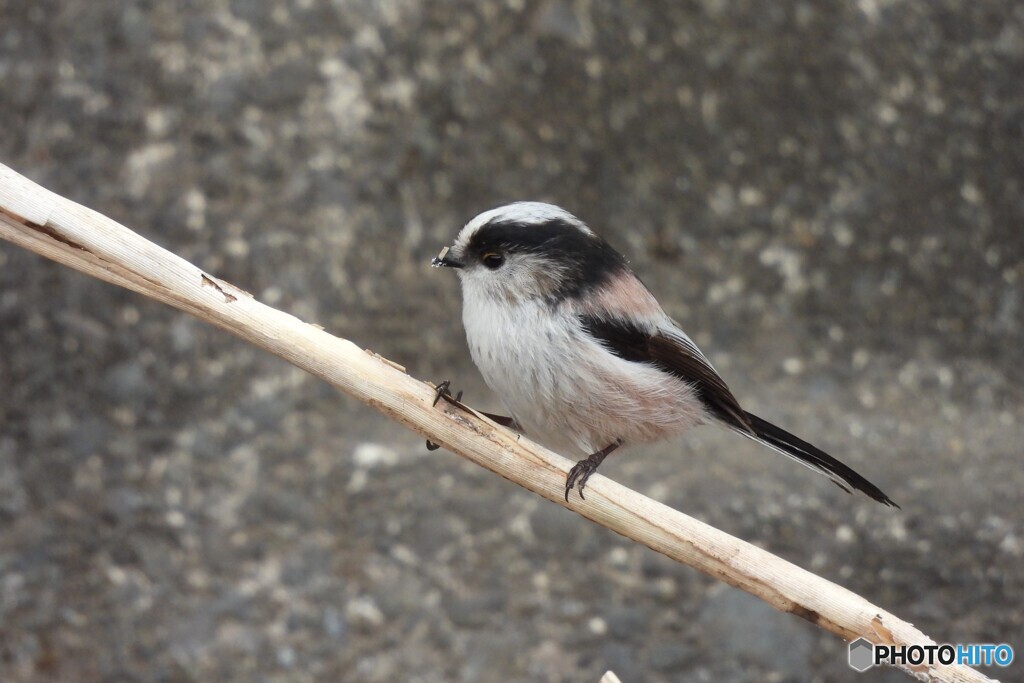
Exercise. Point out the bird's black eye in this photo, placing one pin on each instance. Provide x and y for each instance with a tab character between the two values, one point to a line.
492	260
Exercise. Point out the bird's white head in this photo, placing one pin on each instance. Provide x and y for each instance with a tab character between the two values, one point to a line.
530	251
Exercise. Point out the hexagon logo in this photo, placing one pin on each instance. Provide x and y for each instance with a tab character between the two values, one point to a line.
862	655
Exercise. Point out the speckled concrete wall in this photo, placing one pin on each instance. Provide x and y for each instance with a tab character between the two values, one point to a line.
828	196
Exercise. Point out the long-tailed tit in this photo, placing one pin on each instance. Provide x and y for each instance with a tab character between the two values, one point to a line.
583	355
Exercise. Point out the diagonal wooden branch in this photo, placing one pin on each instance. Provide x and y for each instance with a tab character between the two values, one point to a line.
55	227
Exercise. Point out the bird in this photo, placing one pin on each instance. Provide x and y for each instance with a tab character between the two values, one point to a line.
581	353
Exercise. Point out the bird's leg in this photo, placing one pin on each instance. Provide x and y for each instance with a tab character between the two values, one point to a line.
444	390
582	470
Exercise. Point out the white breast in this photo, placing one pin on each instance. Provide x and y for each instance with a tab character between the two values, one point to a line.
567	391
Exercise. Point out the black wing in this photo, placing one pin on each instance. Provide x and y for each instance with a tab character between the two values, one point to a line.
678	355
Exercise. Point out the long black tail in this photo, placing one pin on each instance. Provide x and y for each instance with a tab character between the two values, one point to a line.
814	458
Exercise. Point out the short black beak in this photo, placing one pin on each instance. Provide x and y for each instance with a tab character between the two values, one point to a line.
443	260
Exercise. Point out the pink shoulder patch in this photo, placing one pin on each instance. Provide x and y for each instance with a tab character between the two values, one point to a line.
625	294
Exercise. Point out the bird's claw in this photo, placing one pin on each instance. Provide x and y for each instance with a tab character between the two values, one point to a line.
582	470
579	475
443	390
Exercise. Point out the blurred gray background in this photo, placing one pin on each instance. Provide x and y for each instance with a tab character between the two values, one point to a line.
828	196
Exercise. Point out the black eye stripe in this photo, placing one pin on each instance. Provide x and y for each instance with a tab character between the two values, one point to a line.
550	237
585	260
